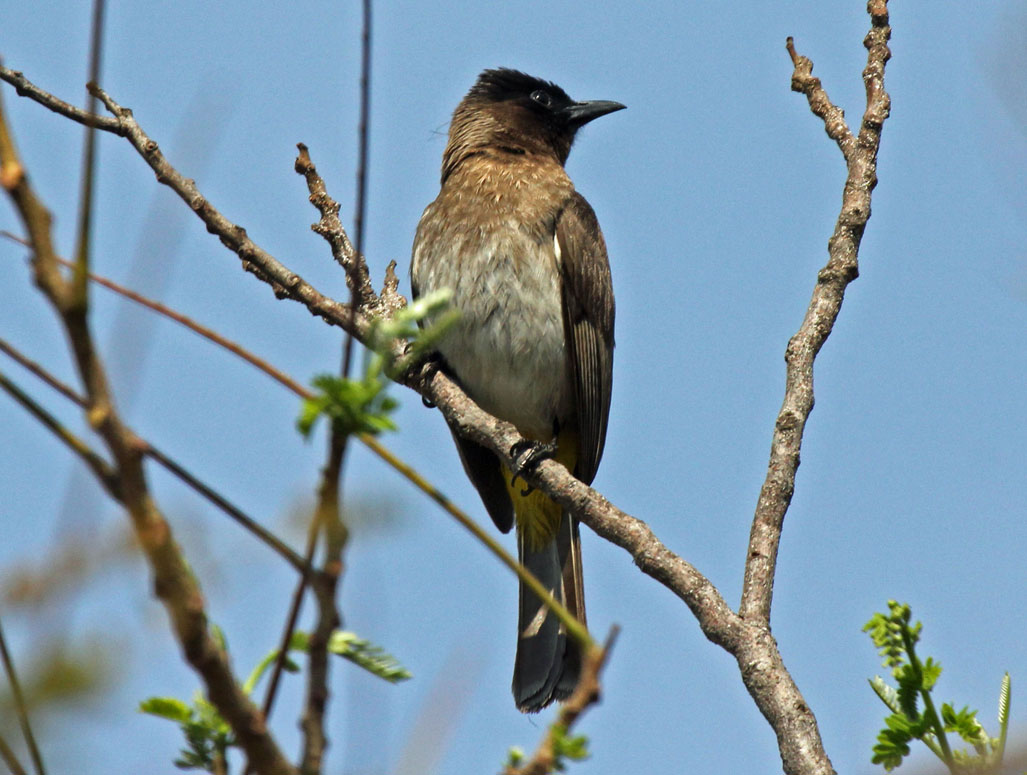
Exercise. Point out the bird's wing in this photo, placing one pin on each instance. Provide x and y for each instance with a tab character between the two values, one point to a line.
588	321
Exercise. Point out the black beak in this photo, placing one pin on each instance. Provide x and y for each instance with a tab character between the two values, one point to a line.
578	114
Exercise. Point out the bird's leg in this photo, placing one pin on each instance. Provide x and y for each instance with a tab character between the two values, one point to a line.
527	454
431	364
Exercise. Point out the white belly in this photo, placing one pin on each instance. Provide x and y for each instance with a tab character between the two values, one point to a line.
508	348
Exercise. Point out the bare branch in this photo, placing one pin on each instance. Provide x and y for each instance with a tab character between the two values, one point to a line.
745	635
9	758
330	228
22	710
104	472
286	284
173	580
167	462
841	269
26	88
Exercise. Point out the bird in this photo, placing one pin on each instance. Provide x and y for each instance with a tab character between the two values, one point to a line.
524	258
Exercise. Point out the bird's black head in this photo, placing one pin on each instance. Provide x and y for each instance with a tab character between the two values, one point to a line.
512	110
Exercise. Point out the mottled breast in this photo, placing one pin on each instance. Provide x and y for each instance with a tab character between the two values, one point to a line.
489	236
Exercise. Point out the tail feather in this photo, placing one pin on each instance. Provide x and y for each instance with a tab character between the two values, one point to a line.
548	661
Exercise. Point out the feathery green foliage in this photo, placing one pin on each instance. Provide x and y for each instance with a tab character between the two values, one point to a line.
208	736
361	405
896	639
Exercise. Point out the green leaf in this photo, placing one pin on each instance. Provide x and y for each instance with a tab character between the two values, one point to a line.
353	405
565	747
909	690
514	756
258	672
887	694
207	735
422	323
964	722
167	707
208	717
1004	694
896	637
368	656
931	672
891	748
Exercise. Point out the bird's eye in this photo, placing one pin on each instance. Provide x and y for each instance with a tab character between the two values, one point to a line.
542	98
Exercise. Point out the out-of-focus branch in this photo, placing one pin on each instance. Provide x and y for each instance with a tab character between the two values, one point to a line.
23	715
173	580
80	278
9	758
106	474
169	463
328	512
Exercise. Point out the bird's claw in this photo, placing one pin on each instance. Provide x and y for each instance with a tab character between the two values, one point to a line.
527	454
432	364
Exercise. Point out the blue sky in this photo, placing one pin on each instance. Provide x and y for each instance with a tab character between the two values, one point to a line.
717	191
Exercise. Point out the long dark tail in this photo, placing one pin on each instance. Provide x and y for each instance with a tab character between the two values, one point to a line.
548	661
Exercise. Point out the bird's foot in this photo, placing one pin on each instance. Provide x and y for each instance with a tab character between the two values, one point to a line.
432	364
527	454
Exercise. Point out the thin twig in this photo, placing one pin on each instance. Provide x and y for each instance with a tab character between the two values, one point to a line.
295	606
327	516
7	754
30	365
20	707
363	134
328	519
80	278
170	465
174	582
233	511
104	471
363	130
26	88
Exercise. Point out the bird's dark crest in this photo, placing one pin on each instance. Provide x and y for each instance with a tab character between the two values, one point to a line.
503	83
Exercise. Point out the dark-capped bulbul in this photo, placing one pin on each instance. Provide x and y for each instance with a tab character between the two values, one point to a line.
525	260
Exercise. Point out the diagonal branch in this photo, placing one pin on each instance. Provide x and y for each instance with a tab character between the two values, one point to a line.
105	473
745	635
841	269
174	583
101	468
23	716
